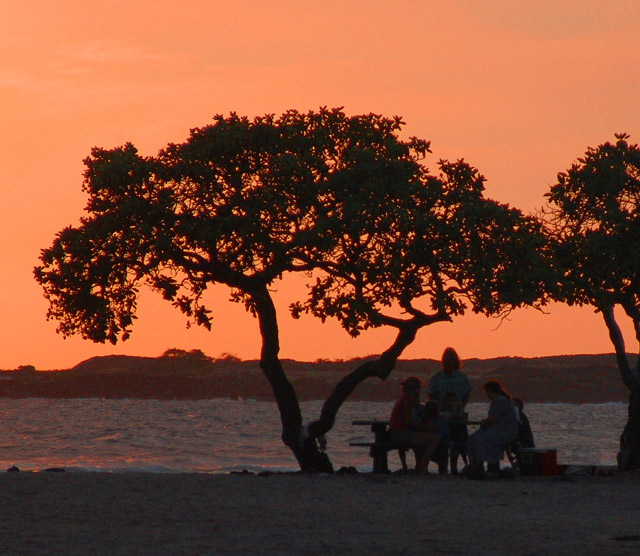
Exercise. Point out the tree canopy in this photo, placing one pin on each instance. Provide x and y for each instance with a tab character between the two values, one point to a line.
595	213
341	199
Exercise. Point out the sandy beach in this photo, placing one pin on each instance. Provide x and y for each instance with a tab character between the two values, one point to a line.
73	513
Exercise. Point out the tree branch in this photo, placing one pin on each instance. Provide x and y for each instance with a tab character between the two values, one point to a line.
380	368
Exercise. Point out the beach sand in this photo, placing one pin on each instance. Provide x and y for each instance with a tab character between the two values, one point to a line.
75	513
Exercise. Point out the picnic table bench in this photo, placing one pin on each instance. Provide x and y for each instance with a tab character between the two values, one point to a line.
382	445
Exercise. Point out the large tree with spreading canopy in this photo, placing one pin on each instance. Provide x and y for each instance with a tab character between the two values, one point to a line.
342	200
594	217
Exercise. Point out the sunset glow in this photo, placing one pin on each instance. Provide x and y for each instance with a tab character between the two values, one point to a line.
519	90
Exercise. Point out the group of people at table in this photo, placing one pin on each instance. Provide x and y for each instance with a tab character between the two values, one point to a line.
437	431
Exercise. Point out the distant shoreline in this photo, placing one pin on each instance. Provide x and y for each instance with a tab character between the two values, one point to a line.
193	375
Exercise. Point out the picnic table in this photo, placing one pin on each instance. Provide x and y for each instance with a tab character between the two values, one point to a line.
381	444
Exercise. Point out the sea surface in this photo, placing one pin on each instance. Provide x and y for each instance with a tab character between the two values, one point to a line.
220	436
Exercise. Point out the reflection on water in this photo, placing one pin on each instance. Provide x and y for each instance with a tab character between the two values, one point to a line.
225	435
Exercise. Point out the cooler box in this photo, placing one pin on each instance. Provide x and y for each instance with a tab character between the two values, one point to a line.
538	461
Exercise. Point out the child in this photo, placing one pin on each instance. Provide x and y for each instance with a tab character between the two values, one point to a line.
451	409
436	423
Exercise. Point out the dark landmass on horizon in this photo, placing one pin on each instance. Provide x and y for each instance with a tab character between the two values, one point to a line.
193	375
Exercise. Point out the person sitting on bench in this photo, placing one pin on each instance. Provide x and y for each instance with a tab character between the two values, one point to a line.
497	431
525	435
405	428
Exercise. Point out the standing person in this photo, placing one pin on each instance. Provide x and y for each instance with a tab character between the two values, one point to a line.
443	387
450	379
405	427
498	430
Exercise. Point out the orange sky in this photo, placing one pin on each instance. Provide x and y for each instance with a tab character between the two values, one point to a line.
519	89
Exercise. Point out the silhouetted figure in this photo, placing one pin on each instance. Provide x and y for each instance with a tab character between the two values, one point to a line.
525	434
451	409
438	424
405	427
498	430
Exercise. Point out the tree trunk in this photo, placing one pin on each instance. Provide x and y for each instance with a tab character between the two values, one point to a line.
306	452
629	454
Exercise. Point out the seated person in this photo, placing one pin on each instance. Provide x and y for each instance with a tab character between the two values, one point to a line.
497	431
452	410
405	427
525	435
434	422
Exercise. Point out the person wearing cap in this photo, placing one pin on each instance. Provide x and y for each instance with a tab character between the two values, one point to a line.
450	379
405	427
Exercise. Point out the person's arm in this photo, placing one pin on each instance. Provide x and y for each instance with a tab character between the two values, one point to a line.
488	421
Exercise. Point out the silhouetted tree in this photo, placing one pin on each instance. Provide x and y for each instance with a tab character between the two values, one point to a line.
594	214
243	202
194	355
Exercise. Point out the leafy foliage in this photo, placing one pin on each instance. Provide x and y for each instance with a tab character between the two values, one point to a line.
440	241
595	217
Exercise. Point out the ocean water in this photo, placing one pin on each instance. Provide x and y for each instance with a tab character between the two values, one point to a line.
219	436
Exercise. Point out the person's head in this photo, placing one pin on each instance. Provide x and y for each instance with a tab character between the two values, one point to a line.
411	385
450	361
518	403
495	388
